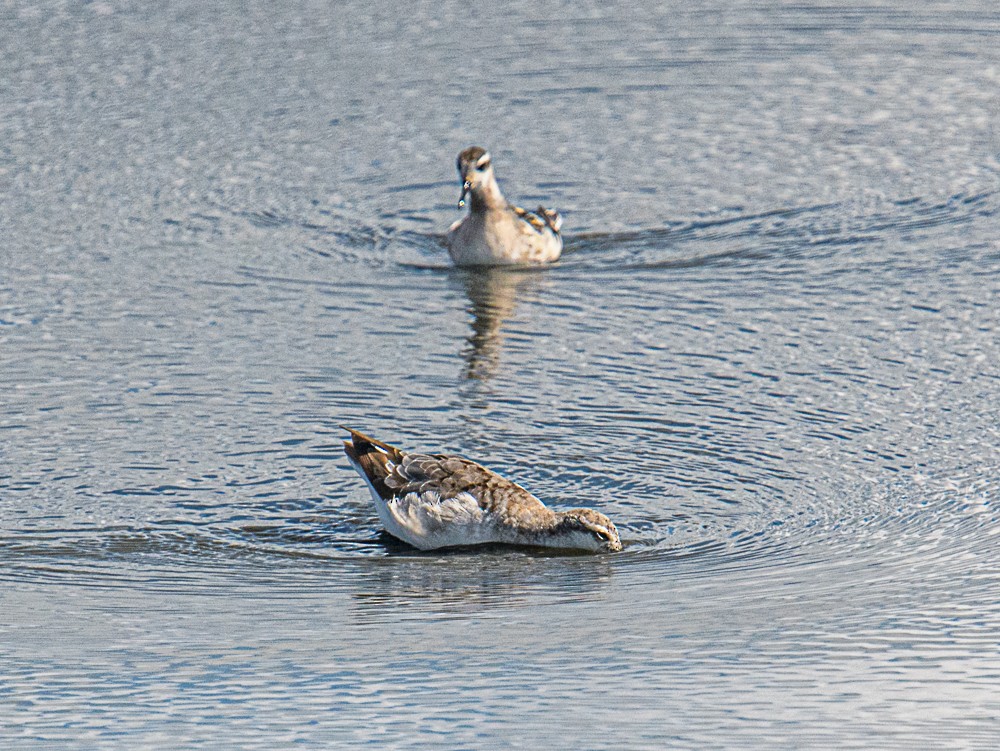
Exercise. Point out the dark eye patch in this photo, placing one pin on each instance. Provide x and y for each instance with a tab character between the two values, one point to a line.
483	165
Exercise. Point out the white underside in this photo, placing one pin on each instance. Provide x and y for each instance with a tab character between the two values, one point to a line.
426	521
500	238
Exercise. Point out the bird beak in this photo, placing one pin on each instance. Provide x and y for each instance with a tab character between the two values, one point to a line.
466	187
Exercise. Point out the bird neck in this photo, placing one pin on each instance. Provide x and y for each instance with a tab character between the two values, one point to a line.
487	196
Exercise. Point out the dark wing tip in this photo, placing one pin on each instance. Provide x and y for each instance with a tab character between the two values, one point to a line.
349	450
360	440
371	457
354	433
362	444
551	217
541	218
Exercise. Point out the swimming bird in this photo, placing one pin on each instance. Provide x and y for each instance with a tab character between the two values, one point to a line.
494	232
436	501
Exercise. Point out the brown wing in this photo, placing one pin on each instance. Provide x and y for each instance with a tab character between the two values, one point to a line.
394	473
552	218
374	458
541	218
446	475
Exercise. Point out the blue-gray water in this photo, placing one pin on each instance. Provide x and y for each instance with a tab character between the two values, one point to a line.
770	354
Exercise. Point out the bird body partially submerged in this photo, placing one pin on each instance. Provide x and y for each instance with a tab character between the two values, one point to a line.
435	500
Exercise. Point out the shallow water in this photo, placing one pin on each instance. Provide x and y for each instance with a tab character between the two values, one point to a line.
769	354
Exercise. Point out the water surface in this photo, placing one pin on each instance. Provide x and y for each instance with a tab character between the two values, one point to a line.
769	354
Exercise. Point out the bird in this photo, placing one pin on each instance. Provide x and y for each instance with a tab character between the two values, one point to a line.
495	232
432	501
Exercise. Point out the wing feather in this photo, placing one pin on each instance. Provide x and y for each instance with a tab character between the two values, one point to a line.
428	489
541	218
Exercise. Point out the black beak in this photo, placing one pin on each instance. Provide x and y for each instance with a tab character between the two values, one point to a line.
466	186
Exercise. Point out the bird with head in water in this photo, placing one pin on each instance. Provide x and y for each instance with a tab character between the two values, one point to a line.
436	501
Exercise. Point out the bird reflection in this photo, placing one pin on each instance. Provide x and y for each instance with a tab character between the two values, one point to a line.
493	295
461	583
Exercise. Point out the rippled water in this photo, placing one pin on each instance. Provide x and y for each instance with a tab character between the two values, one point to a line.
770	354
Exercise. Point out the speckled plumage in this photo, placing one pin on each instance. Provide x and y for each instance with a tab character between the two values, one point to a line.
435	500
494	232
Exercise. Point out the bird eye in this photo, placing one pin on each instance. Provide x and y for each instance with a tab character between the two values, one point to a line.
483	165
